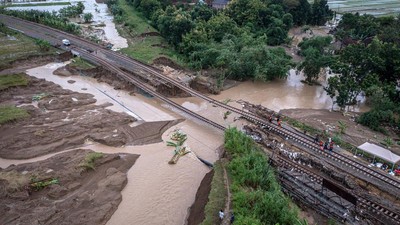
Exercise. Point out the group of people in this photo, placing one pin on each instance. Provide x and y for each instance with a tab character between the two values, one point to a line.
327	145
278	119
222	215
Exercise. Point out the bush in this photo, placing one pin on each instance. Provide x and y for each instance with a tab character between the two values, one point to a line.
257	197
375	118
89	162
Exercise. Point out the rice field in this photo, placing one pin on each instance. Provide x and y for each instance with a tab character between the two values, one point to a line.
373	7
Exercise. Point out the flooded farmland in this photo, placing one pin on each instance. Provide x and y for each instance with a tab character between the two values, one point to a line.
373	7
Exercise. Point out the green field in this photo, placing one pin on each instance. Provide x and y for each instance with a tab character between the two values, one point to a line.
373	7
14	46
141	47
11	113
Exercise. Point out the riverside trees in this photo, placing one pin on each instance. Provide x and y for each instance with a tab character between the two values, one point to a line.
236	41
369	63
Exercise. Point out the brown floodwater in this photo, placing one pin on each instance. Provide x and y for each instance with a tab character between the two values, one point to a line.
156	192
160	193
289	93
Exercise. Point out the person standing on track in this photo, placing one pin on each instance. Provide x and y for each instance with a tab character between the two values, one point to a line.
316	139
331	146
221	214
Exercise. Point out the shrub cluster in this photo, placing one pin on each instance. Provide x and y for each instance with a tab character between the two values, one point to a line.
257	197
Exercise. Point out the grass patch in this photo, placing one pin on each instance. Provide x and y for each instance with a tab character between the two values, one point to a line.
89	162
16	181
256	194
302	126
82	64
217	196
15	46
39	4
144	49
11	113
12	80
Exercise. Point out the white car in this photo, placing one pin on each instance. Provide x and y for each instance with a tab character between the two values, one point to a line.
66	42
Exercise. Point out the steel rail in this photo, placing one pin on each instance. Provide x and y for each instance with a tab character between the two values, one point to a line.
374	207
295	136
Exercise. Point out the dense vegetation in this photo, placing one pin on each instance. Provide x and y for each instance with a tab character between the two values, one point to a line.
237	40
369	63
217	196
52	19
256	194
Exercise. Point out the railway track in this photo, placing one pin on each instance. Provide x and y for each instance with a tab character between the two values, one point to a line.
128	77
373	207
128	63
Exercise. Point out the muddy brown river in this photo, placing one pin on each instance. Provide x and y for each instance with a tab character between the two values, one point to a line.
160	193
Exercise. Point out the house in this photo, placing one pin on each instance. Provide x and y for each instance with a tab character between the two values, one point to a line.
219	4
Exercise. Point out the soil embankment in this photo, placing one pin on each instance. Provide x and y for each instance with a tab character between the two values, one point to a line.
196	211
61	119
78	195
354	133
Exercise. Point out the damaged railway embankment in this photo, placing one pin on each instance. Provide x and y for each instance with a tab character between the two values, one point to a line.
349	183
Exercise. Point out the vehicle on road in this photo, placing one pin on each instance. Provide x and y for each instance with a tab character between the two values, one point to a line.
66	42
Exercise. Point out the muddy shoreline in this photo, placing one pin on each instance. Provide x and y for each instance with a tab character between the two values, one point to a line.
62	119
90	195
196	211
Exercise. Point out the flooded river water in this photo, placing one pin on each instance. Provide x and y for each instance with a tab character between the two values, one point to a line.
102	19
156	192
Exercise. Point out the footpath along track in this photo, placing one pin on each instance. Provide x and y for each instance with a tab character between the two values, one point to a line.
373	207
127	63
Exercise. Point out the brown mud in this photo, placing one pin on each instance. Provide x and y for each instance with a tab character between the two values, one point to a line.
21	65
64	119
354	133
196	211
348	181
80	195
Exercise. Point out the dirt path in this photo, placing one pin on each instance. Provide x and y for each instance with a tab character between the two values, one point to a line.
227	210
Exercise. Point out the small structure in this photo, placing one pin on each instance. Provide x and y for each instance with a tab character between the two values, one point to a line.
380	152
219	4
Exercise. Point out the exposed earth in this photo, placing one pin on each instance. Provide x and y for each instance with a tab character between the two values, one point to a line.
63	119
355	134
77	195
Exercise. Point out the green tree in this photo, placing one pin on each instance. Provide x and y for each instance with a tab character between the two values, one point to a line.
317	56
173	24
80	7
148	7
246	11
43	45
220	25
345	87
320	12
301	12
87	17
202	12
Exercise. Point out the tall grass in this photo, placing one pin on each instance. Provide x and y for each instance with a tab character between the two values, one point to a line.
12	80
256	194
11	113
90	158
